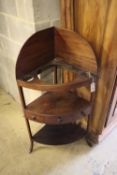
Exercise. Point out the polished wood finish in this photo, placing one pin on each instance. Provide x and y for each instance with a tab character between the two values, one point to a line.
96	21
75	50
57	108
37	84
42	41
54	43
54	49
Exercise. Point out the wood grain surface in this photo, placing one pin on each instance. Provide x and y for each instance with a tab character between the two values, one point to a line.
90	19
96	21
57	108
37	50
75	50
67	21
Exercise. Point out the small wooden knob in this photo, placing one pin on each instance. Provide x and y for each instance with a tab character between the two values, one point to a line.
59	119
33	118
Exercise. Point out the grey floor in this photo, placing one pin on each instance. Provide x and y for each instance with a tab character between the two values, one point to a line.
72	159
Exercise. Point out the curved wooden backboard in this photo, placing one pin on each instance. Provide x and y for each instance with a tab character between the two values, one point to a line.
38	50
47	44
75	50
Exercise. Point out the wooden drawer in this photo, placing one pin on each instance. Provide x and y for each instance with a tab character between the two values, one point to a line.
52	120
57	108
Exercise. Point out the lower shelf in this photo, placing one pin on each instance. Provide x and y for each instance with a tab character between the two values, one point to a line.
59	134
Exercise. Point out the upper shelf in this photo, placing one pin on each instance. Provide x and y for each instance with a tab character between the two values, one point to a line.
32	80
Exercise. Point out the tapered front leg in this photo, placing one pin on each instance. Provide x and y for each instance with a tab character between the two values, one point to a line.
30	135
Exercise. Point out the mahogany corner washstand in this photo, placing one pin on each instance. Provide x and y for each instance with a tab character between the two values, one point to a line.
55	50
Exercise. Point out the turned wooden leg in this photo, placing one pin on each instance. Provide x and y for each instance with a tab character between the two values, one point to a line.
30	135
31	146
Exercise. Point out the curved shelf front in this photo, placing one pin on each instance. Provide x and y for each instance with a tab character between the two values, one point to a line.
57	108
